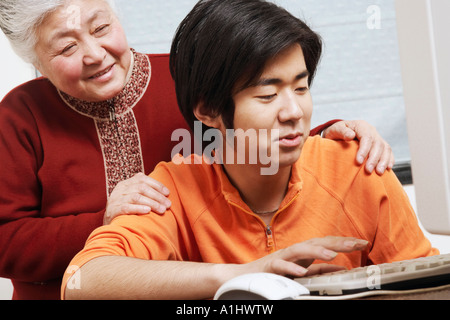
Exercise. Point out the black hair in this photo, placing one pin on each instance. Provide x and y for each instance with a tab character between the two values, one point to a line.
223	43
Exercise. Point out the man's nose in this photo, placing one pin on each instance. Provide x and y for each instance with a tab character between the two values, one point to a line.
291	108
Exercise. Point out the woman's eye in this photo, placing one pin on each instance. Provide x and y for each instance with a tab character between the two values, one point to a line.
302	90
68	48
102	28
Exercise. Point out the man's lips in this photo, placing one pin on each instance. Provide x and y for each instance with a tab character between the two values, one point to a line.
291	140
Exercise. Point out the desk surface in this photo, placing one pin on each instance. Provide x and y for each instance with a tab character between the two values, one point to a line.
438	294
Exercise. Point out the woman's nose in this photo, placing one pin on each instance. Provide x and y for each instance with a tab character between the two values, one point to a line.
94	53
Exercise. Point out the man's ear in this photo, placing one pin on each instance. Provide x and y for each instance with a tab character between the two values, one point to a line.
206	118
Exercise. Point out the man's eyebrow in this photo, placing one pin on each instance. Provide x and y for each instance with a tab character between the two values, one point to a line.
274	81
304	74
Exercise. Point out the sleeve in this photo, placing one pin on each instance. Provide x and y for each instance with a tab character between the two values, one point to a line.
148	237
318	130
380	209
32	248
399	236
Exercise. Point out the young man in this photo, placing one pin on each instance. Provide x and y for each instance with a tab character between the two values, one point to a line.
248	65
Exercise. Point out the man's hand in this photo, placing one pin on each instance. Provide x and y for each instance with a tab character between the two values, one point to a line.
296	260
372	145
181	280
138	195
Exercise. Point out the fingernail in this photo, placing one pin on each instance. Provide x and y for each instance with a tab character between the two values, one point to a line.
353	244
350	244
360	159
146	209
329	254
362	242
301	271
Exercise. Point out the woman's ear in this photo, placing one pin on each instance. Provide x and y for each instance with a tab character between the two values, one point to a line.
206	118
39	69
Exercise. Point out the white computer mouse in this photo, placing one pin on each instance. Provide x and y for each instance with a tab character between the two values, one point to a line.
260	286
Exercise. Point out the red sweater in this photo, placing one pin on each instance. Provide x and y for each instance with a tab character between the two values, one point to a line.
59	163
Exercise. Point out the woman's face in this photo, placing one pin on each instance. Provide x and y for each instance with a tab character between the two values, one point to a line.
82	49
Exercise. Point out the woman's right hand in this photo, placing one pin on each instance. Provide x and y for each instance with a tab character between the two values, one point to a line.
138	195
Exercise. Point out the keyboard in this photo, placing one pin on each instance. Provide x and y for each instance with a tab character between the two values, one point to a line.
421	273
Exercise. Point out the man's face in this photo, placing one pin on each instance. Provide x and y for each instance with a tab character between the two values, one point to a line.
280	100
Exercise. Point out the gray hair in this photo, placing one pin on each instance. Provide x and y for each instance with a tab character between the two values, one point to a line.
19	20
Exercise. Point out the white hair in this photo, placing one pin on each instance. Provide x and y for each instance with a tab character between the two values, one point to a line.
19	20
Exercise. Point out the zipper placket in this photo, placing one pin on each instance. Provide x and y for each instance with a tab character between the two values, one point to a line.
270	242
113	119
112	112
269	231
269	238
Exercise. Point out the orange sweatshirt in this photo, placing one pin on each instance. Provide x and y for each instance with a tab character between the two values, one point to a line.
328	194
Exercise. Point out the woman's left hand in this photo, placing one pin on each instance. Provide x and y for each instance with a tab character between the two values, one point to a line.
372	145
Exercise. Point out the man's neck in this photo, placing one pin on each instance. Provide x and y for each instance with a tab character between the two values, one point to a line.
263	194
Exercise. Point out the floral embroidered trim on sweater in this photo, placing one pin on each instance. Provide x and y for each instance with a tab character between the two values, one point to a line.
116	124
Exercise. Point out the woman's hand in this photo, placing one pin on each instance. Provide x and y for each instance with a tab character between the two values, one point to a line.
372	145
296	261
138	195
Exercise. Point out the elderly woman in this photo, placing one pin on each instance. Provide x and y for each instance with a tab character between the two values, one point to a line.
77	143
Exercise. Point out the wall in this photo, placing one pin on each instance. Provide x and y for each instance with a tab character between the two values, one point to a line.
13	70
359	77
